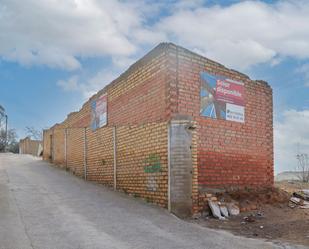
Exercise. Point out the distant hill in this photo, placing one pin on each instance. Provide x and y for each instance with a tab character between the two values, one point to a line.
288	176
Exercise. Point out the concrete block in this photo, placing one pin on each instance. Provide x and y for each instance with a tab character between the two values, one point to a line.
215	209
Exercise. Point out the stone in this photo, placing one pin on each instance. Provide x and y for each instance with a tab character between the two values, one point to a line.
306	191
215	209
249	218
306	194
302	195
224	211
295	200
233	209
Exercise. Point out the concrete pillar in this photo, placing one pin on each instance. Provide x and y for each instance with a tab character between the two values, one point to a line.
180	167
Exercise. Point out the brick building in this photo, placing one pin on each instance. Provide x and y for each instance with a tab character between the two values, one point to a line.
172	129
30	147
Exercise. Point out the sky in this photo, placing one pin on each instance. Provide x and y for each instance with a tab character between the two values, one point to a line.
54	54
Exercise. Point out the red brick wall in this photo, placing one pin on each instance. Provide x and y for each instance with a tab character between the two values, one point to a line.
136	146
136	106
228	153
162	85
139	96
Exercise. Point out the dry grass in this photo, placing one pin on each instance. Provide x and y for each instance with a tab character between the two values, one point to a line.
291	186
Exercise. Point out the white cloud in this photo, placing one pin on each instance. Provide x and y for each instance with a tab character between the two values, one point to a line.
242	34
304	70
70	84
57	32
291	133
183	5
90	85
122	62
149	36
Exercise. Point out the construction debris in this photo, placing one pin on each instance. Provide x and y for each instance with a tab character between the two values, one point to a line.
302	194
233	209
306	192
232	203
272	219
249	218
215	209
223	210
298	202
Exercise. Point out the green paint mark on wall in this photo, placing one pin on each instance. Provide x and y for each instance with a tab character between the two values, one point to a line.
152	164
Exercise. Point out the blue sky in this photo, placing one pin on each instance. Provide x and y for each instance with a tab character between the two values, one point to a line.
55	54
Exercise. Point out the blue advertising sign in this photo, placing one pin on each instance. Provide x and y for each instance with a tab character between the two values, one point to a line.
99	112
222	98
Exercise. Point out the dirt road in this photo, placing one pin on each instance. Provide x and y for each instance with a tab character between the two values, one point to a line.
45	207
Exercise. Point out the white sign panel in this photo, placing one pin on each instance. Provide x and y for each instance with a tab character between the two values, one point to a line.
235	113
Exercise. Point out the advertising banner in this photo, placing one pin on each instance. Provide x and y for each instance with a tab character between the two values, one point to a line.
222	98
99	112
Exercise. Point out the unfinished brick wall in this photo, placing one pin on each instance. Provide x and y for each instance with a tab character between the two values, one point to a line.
140	152
28	146
139	95
229	154
136	111
161	87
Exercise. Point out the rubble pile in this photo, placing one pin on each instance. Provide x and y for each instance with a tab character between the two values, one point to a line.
300	199
231	203
269	213
222	210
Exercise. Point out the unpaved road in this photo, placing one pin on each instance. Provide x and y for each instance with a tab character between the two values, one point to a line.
47	208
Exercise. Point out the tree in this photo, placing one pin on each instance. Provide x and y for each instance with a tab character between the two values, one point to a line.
303	166
34	133
11	144
2	120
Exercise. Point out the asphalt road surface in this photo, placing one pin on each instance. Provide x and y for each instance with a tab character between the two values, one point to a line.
47	208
